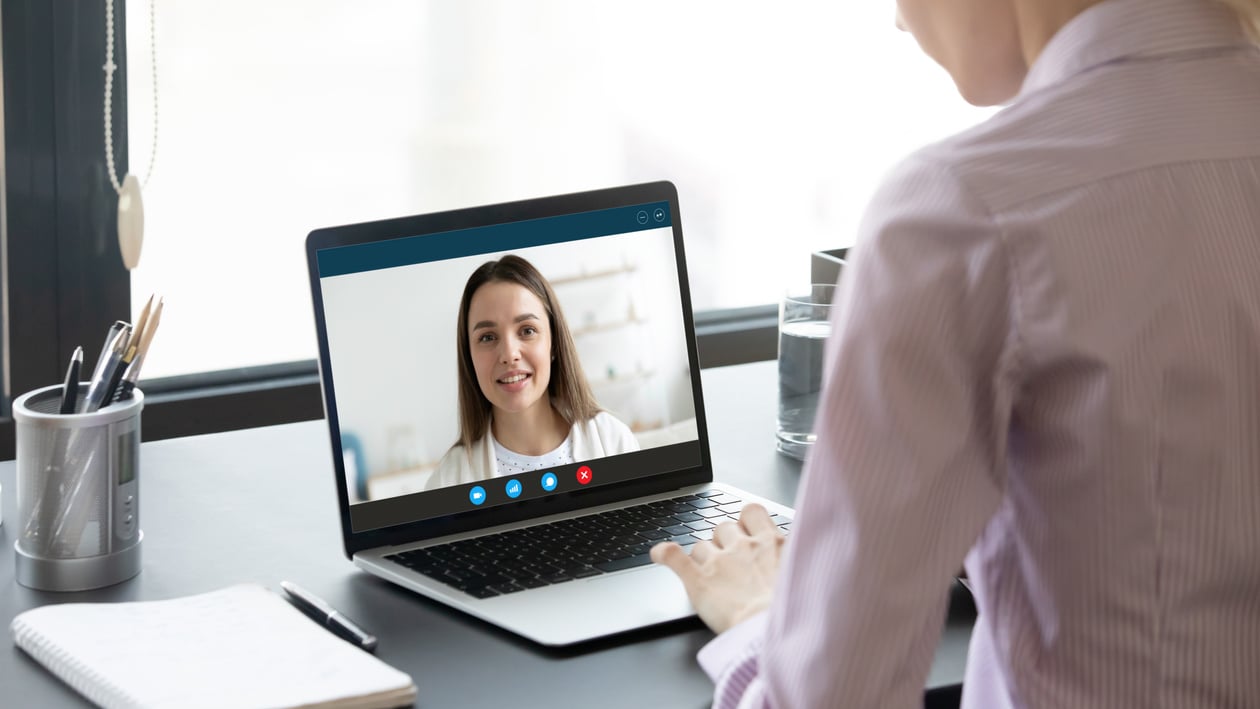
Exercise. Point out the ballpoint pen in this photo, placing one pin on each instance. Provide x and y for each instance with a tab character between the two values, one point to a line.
329	617
112	391
116	375
70	390
35	532
109	360
110	337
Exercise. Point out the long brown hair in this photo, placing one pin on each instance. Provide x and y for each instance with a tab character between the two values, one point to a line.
570	394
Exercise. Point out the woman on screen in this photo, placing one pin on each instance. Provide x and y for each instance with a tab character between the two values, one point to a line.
524	403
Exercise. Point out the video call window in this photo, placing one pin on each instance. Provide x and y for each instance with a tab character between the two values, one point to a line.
394	353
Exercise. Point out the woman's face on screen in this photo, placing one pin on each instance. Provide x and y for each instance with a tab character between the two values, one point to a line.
510	341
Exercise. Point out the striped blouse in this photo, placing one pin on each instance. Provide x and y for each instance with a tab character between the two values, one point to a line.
1047	361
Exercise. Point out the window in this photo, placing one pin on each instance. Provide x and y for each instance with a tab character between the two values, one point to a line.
280	118
776	123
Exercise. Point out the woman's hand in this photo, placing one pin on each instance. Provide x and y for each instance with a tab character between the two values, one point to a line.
732	577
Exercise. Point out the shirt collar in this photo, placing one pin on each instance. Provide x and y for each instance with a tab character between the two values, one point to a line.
1116	30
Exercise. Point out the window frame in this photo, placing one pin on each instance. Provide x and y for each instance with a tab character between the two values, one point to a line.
58	292
62	277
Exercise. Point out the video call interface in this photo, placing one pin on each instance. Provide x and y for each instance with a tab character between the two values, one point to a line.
392	311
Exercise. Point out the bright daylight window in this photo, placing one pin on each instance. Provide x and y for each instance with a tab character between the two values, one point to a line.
775	122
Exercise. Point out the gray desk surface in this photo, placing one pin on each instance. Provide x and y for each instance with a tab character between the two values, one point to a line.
259	505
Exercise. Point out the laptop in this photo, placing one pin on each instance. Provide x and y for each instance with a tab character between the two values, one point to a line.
472	469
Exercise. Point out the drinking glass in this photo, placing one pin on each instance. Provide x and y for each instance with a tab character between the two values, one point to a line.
804	325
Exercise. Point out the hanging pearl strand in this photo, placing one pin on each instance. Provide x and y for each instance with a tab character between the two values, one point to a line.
110	67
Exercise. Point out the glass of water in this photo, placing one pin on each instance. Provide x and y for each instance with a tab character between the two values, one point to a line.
804	325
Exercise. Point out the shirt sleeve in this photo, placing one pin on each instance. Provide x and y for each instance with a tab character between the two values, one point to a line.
909	464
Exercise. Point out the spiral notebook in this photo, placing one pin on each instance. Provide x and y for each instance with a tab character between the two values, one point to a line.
241	646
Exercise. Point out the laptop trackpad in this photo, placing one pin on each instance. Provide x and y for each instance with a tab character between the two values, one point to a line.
652	589
602	605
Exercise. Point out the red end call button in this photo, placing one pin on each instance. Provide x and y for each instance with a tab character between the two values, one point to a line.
584	475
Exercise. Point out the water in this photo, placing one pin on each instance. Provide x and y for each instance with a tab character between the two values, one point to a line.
800	380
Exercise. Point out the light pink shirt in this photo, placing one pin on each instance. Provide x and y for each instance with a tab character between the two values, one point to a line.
1048	356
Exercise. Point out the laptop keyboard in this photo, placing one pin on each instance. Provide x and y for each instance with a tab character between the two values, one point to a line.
576	548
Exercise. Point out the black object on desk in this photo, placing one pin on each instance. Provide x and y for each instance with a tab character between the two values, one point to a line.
329	617
70	390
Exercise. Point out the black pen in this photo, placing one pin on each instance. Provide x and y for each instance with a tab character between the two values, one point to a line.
110	359
70	390
329	617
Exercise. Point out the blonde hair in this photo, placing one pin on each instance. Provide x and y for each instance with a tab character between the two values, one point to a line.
1248	12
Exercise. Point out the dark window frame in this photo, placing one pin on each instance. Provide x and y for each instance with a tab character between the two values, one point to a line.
63	280
63	277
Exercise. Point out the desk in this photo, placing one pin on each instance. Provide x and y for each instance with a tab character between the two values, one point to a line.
259	505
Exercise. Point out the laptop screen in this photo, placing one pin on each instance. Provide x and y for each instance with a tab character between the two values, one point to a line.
472	368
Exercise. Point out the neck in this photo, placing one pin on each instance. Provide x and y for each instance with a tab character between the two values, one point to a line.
1040	20
534	431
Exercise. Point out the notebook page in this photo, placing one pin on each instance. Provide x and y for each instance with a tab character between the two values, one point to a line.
239	646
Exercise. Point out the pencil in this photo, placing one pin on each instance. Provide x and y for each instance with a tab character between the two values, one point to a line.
141	324
133	370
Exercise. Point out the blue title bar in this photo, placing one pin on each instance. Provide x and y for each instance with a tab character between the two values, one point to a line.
408	250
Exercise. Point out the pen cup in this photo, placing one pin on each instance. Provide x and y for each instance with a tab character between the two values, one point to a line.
78	491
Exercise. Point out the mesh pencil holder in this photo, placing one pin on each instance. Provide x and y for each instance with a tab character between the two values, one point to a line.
78	490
